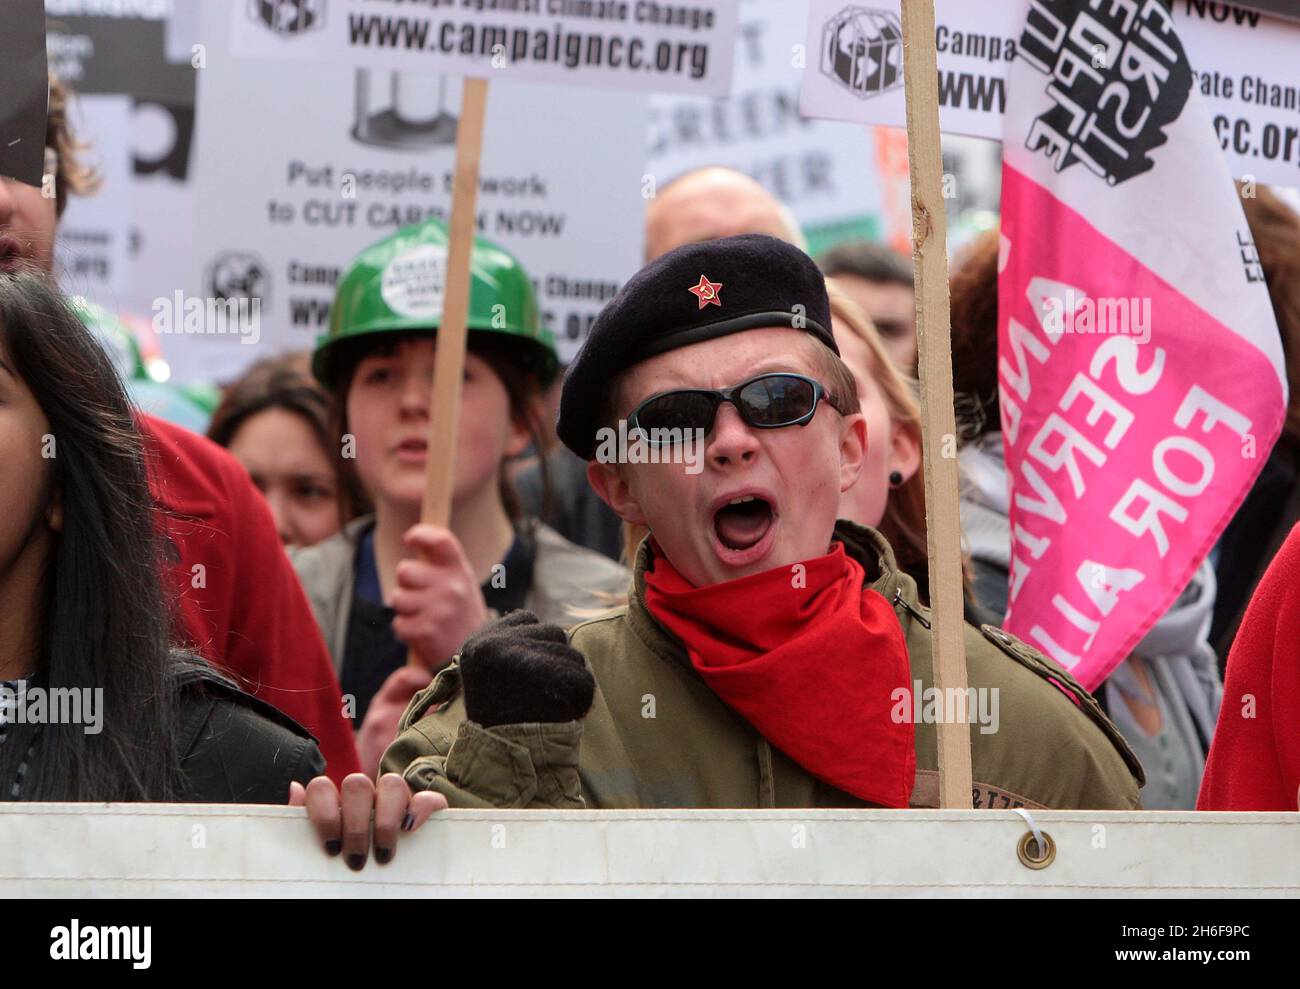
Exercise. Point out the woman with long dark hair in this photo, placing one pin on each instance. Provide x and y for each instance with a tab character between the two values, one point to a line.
96	703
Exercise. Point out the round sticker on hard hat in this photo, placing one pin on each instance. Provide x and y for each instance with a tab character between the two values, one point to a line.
414	281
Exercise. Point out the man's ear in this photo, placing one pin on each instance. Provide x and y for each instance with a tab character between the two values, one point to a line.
904	450
853	449
608	482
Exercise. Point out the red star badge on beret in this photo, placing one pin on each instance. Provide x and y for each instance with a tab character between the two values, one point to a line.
707	292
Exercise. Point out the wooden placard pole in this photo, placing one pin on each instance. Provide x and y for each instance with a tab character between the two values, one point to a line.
938	423
449	368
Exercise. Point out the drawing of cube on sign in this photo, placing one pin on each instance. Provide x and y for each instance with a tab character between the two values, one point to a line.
288	17
862	50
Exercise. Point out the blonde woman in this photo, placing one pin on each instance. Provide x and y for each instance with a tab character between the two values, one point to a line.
890	492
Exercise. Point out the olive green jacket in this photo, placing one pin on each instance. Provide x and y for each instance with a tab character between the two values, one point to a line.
657	736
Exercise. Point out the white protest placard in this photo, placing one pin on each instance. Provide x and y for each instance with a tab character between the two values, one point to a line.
92	251
1243	63
114	50
1281	8
162	206
667	45
182	32
826	173
296	172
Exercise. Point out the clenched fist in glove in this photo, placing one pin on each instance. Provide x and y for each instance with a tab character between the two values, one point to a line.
519	671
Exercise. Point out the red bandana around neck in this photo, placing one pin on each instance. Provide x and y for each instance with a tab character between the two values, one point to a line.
810	658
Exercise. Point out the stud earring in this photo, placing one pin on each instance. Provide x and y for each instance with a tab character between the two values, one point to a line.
895	478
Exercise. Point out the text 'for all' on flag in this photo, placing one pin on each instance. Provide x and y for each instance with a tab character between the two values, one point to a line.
1140	371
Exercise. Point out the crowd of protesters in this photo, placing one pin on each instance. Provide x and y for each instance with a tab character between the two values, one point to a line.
267	620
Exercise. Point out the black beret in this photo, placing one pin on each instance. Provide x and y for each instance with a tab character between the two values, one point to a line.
697	292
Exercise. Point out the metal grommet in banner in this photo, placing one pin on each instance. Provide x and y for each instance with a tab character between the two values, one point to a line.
1036	851
1036	848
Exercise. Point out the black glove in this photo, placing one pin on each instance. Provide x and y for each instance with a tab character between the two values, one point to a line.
518	671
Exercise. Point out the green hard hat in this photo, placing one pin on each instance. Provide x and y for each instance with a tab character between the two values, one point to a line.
120	343
397	286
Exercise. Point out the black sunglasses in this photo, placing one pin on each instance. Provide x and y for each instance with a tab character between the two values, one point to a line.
769	401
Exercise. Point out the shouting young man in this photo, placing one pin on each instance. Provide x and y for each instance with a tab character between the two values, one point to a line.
768	655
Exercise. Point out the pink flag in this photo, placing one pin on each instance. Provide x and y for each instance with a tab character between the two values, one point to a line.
1140	371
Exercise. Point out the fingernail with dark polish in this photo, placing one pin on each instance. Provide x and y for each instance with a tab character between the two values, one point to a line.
383	855
333	847
408	821
356	862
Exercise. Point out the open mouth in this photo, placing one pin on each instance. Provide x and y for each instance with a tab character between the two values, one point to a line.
742	523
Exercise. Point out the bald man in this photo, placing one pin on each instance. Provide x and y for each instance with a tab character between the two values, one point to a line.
714	202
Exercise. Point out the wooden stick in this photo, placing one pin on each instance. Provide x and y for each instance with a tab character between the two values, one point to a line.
449	368
939	427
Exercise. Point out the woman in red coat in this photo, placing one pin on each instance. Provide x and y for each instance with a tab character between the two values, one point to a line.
1254	763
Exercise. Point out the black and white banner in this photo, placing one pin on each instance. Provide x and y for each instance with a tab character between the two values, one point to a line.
1243	63
664	45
